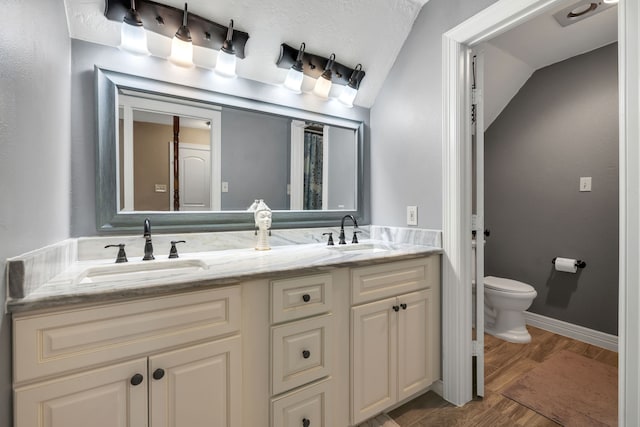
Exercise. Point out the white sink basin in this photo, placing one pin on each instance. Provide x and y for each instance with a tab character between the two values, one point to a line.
360	247
140	270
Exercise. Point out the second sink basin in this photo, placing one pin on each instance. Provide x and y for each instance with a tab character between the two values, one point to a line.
140	270
360	247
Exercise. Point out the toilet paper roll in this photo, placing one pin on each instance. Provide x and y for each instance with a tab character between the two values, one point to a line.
567	265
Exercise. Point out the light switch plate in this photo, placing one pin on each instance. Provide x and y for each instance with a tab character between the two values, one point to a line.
412	215
585	183
225	187
161	188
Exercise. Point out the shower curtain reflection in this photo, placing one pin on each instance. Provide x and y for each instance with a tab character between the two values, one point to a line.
312	170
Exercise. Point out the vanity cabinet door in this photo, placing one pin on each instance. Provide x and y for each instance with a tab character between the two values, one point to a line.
374	358
197	386
415	335
115	396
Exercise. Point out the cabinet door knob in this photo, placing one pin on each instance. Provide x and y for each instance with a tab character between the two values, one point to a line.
158	374
137	379
306	354
396	308
306	422
306	297
404	306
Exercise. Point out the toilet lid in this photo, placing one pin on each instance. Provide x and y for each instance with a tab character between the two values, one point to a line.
506	285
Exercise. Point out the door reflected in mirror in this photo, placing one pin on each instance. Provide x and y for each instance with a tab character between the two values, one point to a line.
181	155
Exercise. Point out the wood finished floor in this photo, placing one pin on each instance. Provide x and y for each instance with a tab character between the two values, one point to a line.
504	363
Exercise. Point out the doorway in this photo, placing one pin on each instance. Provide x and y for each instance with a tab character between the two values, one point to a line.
457	45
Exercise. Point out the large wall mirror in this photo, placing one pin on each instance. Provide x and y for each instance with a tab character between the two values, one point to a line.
192	159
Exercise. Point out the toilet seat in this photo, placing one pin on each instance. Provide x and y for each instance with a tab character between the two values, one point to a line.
506	285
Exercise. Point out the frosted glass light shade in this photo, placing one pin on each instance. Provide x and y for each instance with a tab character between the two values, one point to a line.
226	64
347	96
293	82
133	39
181	52
322	88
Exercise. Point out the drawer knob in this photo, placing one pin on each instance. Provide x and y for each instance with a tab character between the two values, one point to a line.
306	422
306	354
404	306
137	379
158	374
306	297
396	308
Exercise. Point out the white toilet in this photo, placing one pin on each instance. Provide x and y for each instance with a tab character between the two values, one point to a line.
505	301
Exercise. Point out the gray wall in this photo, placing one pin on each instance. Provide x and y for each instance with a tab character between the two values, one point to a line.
255	159
34	143
562	125
406	121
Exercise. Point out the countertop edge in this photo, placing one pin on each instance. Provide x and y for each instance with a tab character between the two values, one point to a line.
24	305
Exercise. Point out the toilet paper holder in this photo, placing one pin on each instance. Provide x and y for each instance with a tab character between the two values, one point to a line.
579	263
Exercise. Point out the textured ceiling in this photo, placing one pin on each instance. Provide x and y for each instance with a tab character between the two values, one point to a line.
370	32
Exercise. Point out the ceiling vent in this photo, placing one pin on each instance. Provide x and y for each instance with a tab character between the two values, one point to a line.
580	11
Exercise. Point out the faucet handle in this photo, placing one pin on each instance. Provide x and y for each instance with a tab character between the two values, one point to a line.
330	241
354	239
173	253
122	256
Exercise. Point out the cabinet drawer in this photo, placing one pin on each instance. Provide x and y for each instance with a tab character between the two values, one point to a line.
310	403
395	278
300	352
49	344
300	297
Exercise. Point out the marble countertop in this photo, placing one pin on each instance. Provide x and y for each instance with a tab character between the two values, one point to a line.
195	270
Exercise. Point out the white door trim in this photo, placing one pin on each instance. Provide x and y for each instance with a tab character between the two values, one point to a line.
456	275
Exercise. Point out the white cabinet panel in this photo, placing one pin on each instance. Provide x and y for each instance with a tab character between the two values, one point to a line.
197	386
301	352
49	344
374	358
300	297
310	406
415	335
99	398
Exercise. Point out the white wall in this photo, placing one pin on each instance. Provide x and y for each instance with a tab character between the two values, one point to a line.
34	143
406	121
504	75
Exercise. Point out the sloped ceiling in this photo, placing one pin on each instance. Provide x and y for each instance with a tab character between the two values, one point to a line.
357	31
512	57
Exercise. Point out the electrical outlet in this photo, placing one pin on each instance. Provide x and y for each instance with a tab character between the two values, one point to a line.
225	187
412	215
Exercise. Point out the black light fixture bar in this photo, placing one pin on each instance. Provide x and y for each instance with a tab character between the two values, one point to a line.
313	65
166	20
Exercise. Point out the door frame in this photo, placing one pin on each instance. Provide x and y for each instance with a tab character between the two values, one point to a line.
457	180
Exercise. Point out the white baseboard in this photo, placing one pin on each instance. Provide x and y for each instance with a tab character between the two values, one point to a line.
580	333
437	388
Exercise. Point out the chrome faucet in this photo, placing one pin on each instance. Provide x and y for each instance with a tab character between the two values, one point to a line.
148	246
341	240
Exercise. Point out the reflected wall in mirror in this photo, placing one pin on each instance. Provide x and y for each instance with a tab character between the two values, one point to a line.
177	156
192	159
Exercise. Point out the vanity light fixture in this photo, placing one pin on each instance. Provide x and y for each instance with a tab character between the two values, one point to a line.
182	45
293	82
350	91
323	84
133	37
610	1
226	63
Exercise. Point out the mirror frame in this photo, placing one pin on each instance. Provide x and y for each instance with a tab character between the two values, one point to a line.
109	219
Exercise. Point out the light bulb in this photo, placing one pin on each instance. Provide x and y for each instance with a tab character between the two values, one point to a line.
226	63
181	44
347	96
293	82
322	87
133	37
